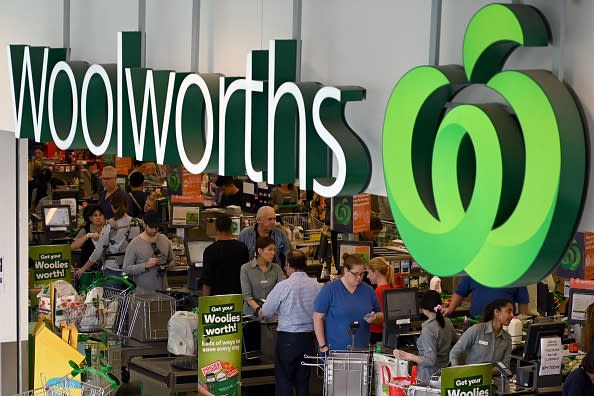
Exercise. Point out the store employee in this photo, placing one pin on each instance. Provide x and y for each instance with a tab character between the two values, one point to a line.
486	342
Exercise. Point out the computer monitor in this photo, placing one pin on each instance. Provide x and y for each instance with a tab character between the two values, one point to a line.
362	248
185	215
56	217
536	331
579	300
195	252
545	301
400	306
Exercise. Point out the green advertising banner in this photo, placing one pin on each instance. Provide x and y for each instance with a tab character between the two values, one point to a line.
469	380
49	263
219	343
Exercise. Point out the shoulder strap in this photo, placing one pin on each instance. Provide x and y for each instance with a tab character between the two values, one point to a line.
135	201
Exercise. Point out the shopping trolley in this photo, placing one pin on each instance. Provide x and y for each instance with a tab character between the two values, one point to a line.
346	373
105	307
67	386
305	225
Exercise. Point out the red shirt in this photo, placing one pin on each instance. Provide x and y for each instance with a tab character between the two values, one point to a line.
379	292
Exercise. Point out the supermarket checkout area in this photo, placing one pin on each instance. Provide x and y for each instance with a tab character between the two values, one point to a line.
533	370
158	373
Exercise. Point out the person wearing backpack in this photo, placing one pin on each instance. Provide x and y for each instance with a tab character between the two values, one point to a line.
114	238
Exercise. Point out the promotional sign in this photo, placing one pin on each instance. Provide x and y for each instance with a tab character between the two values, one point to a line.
351	214
497	188
469	380
48	263
578	261
219	343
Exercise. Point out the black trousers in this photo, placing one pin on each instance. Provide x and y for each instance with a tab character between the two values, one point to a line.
289	372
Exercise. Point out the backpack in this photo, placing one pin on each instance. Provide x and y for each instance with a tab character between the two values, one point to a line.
116	249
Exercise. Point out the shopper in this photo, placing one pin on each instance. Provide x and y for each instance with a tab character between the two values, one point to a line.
137	194
88	235
230	193
381	274
151	201
114	238
223	260
435	341
581	381
149	255
375	228
346	306
486	342
110	187
284	194
266	227
293	299
482	295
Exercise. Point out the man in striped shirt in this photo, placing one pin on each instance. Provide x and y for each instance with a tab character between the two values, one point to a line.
293	299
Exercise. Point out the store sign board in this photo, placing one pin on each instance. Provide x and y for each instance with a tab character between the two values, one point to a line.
219	343
265	125
468	380
49	263
478	188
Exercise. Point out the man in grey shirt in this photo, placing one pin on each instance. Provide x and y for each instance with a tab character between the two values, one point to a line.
266	227
148	256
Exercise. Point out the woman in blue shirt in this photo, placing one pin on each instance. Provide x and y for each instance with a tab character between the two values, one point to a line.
343	302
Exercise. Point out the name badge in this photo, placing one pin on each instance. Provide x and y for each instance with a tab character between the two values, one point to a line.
264	281
481	342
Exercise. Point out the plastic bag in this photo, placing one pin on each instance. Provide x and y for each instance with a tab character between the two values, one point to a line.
93	317
386	369
181	329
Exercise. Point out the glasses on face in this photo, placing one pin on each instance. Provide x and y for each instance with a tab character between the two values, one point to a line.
358	274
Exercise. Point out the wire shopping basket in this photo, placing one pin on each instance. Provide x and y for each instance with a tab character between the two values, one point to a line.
104	357
68	386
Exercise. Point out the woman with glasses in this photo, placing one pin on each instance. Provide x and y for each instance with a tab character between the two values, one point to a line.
435	341
149	255
344	307
381	274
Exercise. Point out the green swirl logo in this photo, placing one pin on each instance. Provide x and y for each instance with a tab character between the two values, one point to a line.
495	190
343	212
573	258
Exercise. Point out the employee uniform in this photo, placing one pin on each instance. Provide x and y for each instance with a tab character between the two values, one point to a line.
483	295
341	308
293	299
249	235
480	345
256	284
434	345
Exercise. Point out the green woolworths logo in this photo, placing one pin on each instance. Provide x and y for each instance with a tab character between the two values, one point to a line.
479	188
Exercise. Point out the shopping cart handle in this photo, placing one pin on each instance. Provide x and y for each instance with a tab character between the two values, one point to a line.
100	281
104	372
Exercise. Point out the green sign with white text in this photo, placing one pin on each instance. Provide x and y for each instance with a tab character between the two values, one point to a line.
494	190
219	343
468	380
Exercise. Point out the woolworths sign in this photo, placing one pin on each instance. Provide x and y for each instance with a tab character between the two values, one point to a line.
495	190
264	125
